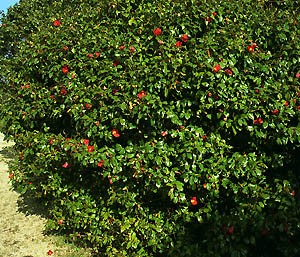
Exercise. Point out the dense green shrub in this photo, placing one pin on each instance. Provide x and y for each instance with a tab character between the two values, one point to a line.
158	128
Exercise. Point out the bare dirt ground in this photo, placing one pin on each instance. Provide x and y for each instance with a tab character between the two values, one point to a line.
22	221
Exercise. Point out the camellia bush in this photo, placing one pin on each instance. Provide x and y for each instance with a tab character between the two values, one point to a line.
158	128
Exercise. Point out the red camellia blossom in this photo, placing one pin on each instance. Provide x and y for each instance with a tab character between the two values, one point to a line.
293	193
217	68
230	230
59	222
228	72
63	91
66	165
51	141
164	133
178	44
297	75
65	69
68	138
50	252
100	164
258	121
90	148
286	104
52	96
209	19
275	112
141	94
115	132
122	47
116	62
204	137
87	106
97	54
56	23
90	55
11	176
251	48
73	76
157	32
182	127
86	141
184	38
98	123
194	201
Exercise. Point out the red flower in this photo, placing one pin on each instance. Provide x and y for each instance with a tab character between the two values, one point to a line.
164	133
86	141
214	14
51	141
298	108
90	55
122	47
257	91
116	62
115	132
275	112
228	72
204	137
87	106
286	104
50	252
68	139
264	232
184	38
258	121
66	165
297	75
90	148
73	76
194	201
52	96
59	222
182	127
157	31
141	94
178	44
63	91
65	69
160	42
97	54
56	23
293	193
231	230
11	176
208	19
217	68
100	164
251	48
97	123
